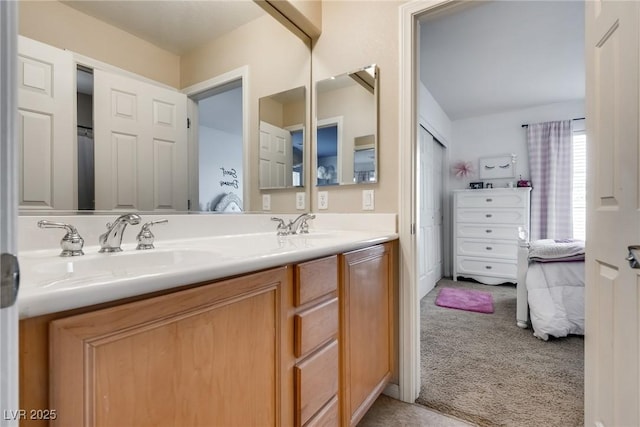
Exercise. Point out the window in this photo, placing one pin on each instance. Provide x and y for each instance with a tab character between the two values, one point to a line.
579	190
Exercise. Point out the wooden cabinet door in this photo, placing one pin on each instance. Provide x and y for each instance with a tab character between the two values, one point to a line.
366	328
205	356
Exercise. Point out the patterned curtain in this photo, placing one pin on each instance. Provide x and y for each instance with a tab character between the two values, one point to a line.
550	152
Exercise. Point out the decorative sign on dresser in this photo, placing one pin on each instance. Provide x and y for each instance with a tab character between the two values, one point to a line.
485	230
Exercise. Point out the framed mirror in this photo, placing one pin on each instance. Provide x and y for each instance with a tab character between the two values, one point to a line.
220	57
282	135
346	143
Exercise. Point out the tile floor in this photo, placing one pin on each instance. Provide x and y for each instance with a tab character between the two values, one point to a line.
387	412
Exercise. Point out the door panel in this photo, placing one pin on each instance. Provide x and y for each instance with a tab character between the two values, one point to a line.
145	165
45	127
276	157
611	353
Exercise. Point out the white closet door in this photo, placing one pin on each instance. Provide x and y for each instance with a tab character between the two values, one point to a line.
276	157
46	134
140	145
429	187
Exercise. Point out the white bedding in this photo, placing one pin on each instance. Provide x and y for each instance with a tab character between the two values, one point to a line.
556	298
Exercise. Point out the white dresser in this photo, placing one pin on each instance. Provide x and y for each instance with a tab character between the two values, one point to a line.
485	233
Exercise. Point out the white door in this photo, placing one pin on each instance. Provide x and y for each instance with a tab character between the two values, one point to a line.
276	157
429	190
612	299
8	215
46	120
140	135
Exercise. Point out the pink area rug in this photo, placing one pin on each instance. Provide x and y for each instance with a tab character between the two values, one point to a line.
465	299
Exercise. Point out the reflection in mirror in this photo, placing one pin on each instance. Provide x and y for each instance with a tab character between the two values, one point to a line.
158	76
282	134
347	128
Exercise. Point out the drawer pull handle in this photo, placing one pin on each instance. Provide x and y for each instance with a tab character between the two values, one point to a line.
489	248
488	231
488	215
489	200
488	267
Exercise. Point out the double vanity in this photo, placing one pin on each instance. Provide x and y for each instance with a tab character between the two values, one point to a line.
210	327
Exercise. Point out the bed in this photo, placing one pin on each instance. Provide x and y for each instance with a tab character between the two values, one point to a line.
550	288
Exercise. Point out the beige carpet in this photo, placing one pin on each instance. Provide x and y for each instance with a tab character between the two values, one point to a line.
484	369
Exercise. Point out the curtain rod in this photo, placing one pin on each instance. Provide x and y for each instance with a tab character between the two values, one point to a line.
579	118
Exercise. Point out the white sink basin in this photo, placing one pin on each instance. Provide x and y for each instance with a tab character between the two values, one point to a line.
61	271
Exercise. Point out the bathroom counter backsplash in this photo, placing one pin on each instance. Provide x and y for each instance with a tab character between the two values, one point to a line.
188	249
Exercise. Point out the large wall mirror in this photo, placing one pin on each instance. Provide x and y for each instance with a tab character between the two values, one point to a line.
204	74
282	136
347	128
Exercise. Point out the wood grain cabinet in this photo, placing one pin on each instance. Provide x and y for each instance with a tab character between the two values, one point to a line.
305	345
366	328
316	347
205	356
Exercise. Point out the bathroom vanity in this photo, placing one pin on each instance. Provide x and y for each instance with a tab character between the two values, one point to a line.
309	342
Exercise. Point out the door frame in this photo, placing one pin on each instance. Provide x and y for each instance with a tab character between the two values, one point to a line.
9	343
242	74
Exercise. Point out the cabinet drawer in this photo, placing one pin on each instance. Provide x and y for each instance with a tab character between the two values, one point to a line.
488	248
506	199
315	326
315	279
491	216
487	267
327	417
316	380
489	231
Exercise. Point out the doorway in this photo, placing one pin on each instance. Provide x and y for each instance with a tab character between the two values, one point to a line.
216	121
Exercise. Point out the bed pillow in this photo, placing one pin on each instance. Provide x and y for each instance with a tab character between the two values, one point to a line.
550	250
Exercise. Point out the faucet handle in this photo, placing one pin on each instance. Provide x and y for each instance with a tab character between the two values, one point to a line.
304	226
283	229
71	242
145	236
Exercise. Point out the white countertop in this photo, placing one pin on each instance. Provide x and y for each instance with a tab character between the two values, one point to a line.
50	283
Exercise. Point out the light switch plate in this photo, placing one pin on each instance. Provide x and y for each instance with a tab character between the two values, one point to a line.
323	200
367	200
266	202
300	201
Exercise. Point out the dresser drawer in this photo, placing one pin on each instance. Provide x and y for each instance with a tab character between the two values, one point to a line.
491	216
316	382
488	248
315	326
481	199
487	267
315	279
489	231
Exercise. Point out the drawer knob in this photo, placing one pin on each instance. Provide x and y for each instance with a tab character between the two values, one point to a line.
488	215
488	231
488	267
489	248
489	200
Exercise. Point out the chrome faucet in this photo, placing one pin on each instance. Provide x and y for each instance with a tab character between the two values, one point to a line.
72	243
299	225
112	239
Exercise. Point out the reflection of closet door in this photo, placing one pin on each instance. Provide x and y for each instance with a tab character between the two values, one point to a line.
430	195
140	145
45	126
276	157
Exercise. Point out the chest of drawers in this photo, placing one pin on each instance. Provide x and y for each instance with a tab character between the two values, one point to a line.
485	233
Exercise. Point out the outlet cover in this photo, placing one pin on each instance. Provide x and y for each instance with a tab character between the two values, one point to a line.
266	202
367	200
300	201
323	200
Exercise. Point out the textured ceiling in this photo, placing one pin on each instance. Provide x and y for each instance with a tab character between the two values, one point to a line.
503	55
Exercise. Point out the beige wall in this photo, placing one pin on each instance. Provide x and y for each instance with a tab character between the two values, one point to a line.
356	34
277	61
61	26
